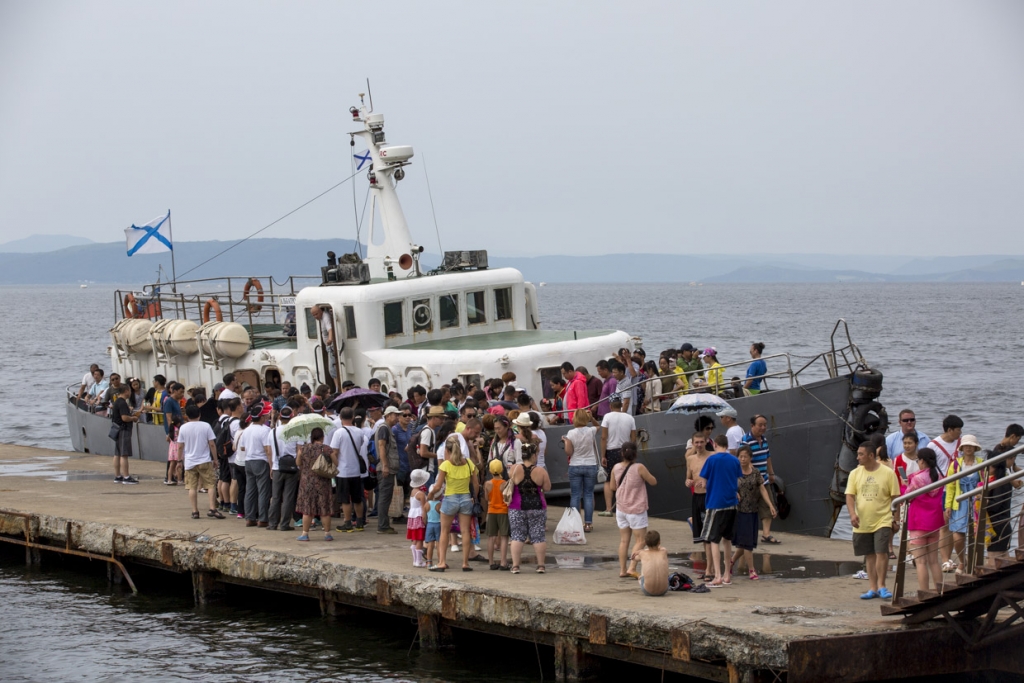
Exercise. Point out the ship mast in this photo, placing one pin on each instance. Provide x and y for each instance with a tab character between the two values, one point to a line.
391	254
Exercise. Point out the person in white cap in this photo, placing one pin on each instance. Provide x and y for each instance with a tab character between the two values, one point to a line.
733	431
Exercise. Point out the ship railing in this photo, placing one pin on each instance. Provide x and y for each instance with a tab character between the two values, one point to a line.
974	550
81	404
238	298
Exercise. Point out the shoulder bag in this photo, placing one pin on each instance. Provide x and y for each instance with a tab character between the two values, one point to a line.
323	466
507	488
362	463
602	476
285	463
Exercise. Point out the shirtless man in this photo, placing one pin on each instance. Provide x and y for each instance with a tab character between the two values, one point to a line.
653	566
695	458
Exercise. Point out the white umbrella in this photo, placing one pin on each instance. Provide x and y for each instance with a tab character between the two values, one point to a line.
298	429
693	404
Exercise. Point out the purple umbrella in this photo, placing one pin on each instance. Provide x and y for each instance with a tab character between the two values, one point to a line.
358	398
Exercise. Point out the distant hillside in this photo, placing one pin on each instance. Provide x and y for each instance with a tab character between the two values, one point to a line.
42	243
107	262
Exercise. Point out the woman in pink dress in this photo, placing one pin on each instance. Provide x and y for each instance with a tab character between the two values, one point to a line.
924	520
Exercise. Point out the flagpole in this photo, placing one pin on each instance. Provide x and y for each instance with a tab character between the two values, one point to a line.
174	271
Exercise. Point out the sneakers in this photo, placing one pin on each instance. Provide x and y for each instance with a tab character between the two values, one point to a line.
359	527
118	479
129	480
346	527
606	513
861	575
389	530
234	508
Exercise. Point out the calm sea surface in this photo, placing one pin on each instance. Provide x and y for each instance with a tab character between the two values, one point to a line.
944	348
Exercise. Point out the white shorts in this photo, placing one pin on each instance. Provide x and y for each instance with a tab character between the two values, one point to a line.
628	521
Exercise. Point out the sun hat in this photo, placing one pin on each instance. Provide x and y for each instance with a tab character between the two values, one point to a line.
969	440
390	411
435	411
523	420
418	478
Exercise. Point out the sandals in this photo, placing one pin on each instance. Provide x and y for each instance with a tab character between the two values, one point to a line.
195	515
770	539
467	569
495	566
515	570
948	566
587	528
753	575
541	569
504	567
215	514
437	568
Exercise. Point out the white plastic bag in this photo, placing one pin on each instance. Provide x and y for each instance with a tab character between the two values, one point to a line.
570	529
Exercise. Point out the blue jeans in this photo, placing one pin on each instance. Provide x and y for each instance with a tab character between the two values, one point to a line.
582	479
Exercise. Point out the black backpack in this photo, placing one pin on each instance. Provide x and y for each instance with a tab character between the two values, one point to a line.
416	461
225	446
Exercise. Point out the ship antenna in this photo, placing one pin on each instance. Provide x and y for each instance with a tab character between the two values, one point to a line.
369	93
432	212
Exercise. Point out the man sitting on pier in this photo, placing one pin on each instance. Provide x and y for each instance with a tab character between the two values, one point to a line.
869	495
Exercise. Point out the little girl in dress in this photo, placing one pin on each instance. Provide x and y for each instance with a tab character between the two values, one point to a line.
416	525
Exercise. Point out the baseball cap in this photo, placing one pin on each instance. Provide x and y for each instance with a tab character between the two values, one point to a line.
727	412
687	347
392	411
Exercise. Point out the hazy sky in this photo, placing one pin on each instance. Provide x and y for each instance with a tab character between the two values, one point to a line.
566	127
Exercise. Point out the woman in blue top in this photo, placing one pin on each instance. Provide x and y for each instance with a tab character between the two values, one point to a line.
756	370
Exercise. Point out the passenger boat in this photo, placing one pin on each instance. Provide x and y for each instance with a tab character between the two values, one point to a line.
462	320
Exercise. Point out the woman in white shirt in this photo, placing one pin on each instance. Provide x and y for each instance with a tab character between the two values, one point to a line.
580	445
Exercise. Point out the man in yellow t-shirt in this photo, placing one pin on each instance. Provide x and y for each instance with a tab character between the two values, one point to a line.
869	495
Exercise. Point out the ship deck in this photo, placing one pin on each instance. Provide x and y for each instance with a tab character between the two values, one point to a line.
798	619
501	340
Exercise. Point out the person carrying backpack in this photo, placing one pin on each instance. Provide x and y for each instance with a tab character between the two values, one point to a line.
227	429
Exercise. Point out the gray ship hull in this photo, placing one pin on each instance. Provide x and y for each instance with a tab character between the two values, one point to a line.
805	432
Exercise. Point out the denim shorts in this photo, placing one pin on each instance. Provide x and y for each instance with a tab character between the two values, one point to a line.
457	503
433	532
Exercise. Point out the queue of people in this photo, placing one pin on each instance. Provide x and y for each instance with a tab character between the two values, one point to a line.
907	460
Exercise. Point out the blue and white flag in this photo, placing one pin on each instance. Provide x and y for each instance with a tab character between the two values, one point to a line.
363	159
152	238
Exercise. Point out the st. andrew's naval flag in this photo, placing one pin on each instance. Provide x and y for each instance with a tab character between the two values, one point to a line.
152	238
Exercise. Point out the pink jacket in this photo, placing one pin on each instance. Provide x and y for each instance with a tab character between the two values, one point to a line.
576	394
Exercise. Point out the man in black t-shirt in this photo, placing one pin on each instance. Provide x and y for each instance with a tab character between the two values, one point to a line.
997	499
122	416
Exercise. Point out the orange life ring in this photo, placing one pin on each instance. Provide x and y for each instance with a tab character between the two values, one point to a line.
130	308
212	304
253	282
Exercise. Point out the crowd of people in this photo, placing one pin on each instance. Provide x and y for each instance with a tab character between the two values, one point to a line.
906	461
455	461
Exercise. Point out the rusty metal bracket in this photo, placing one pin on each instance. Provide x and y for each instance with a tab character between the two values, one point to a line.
66	550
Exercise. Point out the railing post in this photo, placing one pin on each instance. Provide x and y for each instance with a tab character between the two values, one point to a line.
978	556
971	533
901	564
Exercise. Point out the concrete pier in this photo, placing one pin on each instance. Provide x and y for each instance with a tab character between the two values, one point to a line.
791	622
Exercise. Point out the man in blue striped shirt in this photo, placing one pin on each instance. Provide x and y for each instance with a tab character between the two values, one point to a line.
761	458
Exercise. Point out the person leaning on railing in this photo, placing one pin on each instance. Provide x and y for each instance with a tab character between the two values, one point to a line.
997	499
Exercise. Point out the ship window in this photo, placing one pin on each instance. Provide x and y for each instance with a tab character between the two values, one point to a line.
546	375
311	327
422	317
393	318
503	303
350	323
475	312
449	309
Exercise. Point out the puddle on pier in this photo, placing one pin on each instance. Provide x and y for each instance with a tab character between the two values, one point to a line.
47	468
767	565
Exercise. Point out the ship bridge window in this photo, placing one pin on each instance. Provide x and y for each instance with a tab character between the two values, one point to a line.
422	317
449	310
503	303
475	311
350	323
393	318
311	327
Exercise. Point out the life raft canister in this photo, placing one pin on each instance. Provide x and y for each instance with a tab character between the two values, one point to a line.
253	307
212	304
865	420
